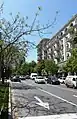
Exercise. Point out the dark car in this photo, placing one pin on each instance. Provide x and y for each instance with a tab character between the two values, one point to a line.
22	77
27	77
15	79
53	80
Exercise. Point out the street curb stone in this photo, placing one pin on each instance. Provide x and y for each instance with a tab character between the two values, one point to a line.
9	105
14	108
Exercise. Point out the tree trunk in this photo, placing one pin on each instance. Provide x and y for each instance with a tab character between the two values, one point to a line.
2	63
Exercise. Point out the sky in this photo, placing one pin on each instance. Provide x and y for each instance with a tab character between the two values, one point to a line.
66	8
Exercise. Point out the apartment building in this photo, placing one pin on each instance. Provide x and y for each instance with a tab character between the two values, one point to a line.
59	46
42	50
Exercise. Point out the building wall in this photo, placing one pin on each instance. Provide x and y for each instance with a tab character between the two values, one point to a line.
42	49
59	46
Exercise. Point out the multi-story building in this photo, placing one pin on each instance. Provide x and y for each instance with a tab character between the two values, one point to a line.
59	46
41	49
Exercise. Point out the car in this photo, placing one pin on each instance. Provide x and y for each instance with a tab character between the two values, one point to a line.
33	76
53	80
27	77
15	79
39	79
22	77
71	81
46	77
62	80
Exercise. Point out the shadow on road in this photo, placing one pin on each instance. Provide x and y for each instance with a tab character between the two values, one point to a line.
25	104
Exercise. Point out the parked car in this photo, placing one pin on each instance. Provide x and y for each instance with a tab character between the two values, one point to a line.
27	77
15	79
71	81
46	77
39	79
33	76
62	79
22	77
53	80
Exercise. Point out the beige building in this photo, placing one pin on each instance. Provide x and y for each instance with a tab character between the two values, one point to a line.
59	46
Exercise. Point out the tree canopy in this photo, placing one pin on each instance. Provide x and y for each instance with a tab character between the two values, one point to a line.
14	32
71	65
46	67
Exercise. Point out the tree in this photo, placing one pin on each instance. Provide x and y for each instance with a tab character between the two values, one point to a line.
51	67
15	30
32	64
40	66
25	68
46	67
73	35
71	65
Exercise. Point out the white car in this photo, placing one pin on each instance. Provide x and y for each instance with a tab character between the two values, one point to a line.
62	80
39	79
71	81
33	76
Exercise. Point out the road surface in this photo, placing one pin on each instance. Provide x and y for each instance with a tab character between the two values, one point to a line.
30	98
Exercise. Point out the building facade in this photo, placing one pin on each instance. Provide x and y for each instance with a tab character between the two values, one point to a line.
41	49
60	45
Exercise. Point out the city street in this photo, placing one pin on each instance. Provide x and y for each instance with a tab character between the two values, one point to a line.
31	99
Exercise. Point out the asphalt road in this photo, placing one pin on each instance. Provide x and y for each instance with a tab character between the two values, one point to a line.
30	99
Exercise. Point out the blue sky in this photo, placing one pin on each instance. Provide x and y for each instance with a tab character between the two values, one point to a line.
66	8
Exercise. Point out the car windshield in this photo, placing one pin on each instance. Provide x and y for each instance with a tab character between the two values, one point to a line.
63	78
39	77
34	75
54	78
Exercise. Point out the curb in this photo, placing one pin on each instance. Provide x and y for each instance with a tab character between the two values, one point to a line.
9	105
13	107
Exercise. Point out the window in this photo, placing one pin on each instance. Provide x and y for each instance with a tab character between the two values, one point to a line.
67	55
61	33
57	37
68	45
65	29
74	79
76	20
71	24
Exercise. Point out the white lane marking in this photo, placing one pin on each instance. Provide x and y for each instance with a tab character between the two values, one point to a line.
57	116
41	103
75	96
58	97
63	88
